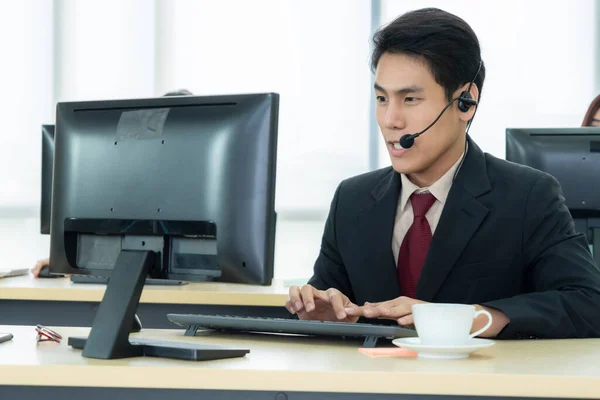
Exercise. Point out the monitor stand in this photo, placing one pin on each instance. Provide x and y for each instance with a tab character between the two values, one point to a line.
109	337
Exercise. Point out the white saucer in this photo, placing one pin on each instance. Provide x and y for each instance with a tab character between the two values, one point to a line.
445	352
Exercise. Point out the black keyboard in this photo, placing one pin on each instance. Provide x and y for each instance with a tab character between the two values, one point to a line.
370	332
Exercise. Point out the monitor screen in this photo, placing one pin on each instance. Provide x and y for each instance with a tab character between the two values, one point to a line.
47	165
191	179
572	156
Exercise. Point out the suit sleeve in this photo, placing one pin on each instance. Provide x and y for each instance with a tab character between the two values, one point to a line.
329	269
561	280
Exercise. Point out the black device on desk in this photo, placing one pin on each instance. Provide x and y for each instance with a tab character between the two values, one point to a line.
103	280
5	337
572	156
172	188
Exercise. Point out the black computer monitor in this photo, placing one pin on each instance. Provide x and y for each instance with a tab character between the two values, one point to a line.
47	166
572	156
179	187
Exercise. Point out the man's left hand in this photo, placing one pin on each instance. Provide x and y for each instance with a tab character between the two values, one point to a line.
399	309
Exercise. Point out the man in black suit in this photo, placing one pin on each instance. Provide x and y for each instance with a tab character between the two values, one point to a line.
448	223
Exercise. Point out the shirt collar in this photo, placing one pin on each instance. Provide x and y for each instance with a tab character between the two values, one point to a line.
439	189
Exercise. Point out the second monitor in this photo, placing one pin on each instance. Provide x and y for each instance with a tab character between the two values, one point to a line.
572	156
46	177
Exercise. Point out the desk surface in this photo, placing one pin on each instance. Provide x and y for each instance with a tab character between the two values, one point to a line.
62	289
567	368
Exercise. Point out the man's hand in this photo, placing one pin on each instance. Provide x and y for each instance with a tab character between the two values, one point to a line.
39	265
399	309
322	305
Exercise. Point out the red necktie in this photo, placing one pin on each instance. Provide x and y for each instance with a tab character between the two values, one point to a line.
415	245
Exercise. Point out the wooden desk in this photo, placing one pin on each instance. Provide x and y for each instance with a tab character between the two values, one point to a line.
286	366
28	301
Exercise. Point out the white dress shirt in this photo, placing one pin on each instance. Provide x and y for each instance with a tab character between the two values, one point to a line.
404	212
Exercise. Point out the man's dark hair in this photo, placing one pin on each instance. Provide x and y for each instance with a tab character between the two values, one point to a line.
180	92
444	41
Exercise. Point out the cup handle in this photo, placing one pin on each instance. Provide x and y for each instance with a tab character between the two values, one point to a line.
485	328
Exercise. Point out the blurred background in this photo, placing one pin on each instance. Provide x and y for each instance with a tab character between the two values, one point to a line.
542	60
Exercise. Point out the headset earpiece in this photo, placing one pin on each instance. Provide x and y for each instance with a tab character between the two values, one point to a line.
465	101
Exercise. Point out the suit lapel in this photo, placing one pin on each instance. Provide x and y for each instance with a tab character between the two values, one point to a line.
460	219
375	229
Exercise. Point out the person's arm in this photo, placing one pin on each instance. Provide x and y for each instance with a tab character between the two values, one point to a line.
329	270
561	279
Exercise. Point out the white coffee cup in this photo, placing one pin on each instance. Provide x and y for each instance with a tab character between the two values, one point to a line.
447	324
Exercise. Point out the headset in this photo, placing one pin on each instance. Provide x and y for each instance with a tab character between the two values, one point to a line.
465	102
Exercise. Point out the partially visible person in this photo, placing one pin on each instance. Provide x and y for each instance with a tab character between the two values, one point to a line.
592	117
37	269
180	92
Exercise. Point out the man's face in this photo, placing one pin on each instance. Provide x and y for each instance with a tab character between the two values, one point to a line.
408	100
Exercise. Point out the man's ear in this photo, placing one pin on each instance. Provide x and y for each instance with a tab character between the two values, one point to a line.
474	92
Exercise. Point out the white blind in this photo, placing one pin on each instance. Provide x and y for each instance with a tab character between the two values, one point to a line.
314	53
26	82
104	49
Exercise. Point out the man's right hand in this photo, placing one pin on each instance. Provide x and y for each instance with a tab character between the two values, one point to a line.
322	305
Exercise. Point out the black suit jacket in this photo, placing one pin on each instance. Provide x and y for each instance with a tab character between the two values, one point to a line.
505	240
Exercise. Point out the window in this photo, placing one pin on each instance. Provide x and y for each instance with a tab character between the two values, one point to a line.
315	54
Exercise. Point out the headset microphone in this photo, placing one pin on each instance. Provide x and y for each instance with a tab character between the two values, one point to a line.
408	140
465	101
